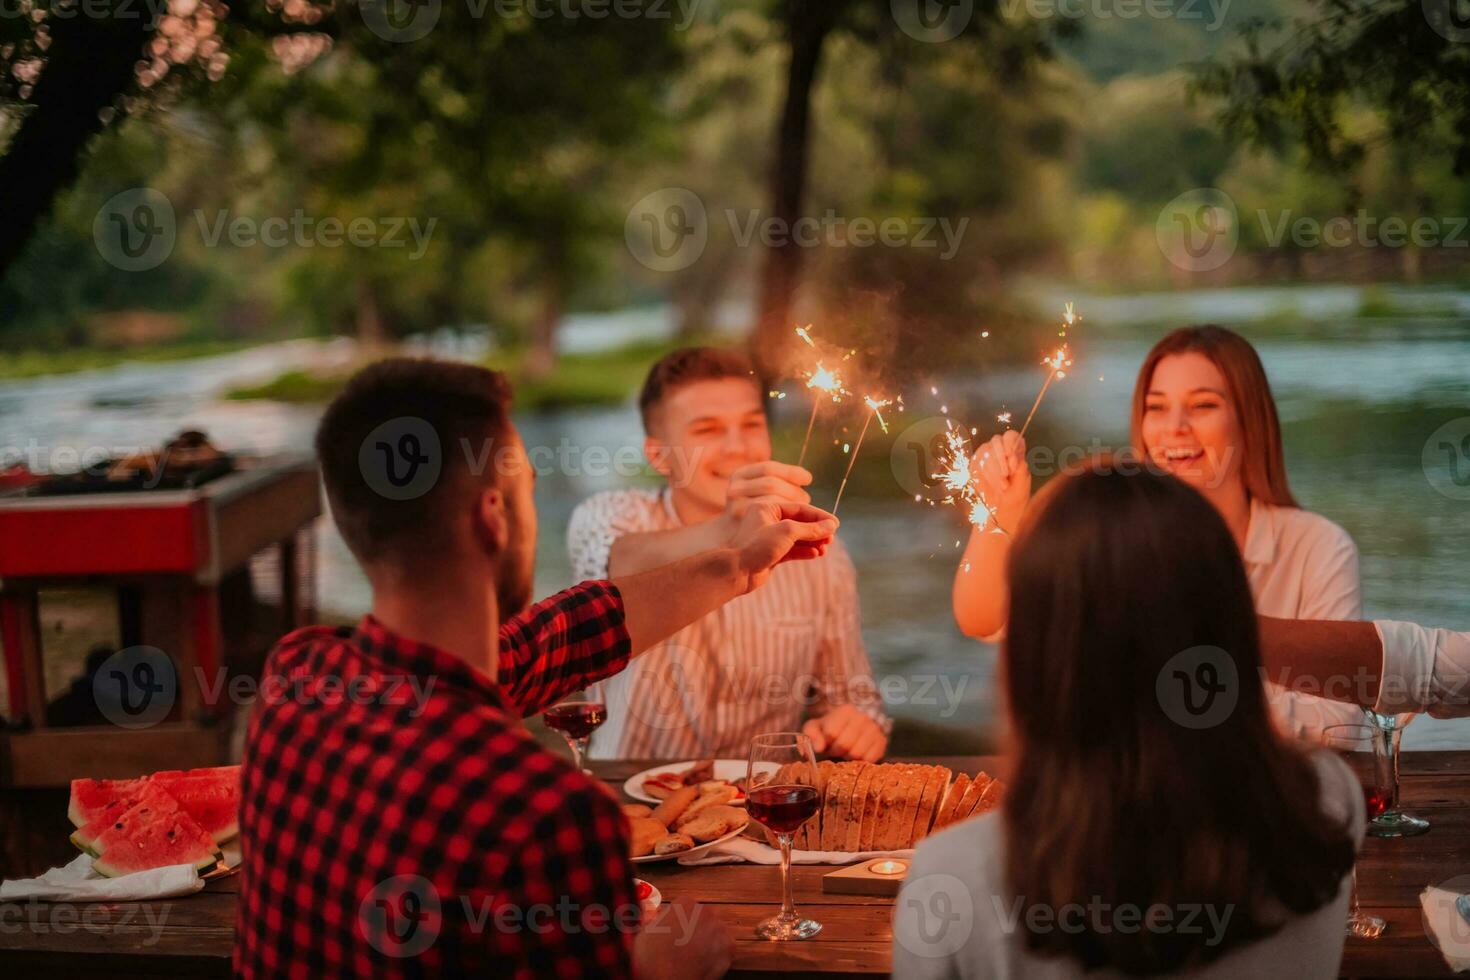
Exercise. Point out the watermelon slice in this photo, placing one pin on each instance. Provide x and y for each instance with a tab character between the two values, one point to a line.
154	833
103	816
91	797
210	796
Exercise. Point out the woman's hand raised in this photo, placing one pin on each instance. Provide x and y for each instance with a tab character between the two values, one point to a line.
1004	479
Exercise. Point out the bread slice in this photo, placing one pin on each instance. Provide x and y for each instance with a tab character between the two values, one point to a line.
872	806
952	796
888	794
813	828
934	785
913	794
837	785
834	809
990	799
972	796
857	809
804	776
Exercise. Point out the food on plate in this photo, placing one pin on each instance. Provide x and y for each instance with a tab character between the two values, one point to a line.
644	832
637	810
699	772
675	804
153	833
673	844
720	794
209	798
715	822
659	787
882	806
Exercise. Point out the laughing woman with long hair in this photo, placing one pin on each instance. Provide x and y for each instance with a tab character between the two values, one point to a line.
1203	411
1155	823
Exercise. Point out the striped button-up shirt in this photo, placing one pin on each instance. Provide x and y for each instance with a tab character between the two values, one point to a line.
791	649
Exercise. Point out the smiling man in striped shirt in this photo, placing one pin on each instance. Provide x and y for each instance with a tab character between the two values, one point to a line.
787	657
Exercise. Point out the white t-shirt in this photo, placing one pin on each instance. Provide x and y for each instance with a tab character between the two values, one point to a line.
1302	566
957	917
762	662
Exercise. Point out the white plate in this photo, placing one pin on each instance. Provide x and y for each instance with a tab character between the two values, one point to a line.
727	769
696	849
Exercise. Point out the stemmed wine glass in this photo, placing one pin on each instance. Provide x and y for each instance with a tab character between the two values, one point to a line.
783	807
1393	822
1364	752
577	718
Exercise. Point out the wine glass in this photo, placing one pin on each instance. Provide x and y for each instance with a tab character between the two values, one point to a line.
577	718
1361	748
783	807
1393	822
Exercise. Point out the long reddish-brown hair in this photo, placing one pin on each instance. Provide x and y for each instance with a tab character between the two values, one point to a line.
1263	464
1113	798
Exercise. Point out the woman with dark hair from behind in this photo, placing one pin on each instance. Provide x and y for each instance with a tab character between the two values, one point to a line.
1155	823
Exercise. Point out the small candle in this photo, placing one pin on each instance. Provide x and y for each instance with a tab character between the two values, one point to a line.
888	866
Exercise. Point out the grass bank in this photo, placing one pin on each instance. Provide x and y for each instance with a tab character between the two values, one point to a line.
603	378
15	365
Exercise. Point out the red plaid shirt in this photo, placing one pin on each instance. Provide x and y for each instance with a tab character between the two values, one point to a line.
398	819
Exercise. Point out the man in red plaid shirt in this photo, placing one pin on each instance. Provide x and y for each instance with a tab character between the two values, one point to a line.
397	818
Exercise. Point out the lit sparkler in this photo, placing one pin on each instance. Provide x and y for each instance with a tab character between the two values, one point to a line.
875	406
825	380
1059	361
955	478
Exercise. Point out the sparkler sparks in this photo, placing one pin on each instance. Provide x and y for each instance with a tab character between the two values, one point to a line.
955	478
822	379
1058	361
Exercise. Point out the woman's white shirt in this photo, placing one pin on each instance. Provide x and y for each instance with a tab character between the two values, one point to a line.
1302	566
957	917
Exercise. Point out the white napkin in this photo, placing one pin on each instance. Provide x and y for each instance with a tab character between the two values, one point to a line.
754	852
77	882
1447	928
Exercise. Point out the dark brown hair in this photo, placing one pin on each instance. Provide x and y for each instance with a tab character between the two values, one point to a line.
1263	464
1114	572
686	366
463	404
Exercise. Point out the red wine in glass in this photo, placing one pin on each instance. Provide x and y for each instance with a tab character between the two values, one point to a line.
1376	800
576	720
782	808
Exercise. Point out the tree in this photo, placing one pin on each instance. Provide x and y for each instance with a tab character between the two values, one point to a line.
1406	59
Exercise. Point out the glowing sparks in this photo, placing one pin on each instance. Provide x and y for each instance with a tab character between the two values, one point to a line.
956	480
979	514
805	333
1004	418
877	405
1058	361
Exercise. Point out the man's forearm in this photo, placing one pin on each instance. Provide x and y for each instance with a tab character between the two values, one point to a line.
661	601
1318	651
643	551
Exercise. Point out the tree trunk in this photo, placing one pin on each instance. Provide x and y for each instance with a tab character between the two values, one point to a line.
372	332
541	357
808	23
88	65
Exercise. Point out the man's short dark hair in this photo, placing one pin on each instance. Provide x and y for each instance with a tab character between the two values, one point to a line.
406	405
686	366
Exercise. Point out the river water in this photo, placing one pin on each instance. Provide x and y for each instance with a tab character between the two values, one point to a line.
1361	398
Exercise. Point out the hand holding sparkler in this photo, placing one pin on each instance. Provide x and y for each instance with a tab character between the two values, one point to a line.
1002	477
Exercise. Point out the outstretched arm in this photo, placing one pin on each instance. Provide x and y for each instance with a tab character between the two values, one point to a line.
1338	660
768	482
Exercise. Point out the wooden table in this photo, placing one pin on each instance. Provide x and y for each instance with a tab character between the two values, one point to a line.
195	934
